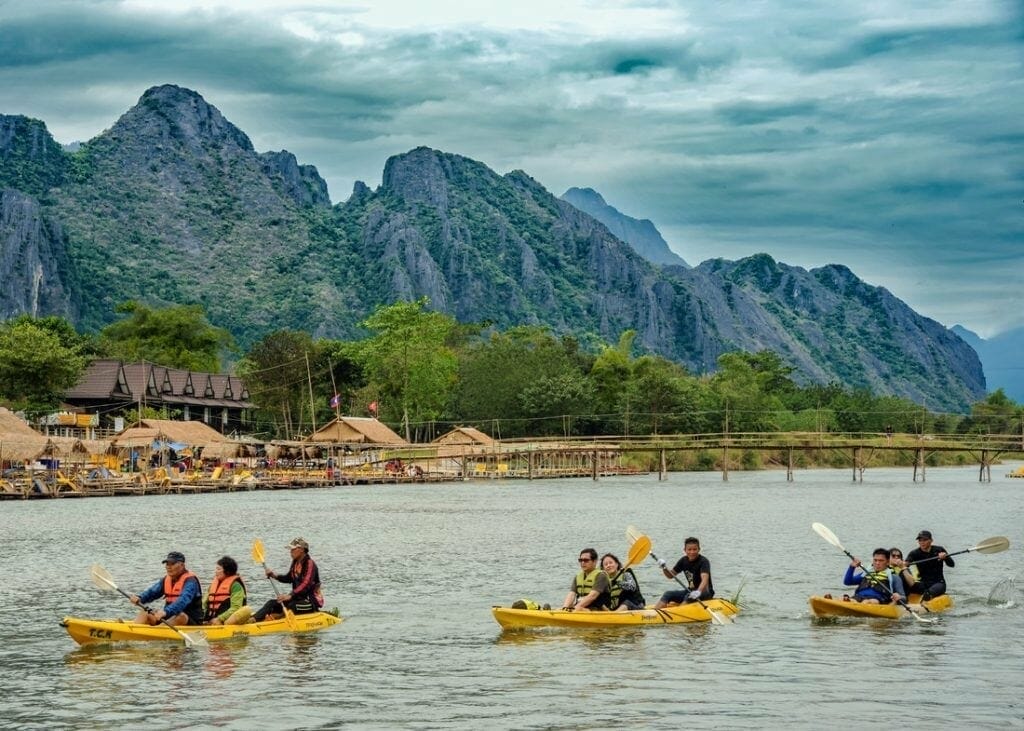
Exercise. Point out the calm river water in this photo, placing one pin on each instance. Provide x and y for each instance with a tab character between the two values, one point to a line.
415	569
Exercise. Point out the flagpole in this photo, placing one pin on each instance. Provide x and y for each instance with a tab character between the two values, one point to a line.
312	405
334	388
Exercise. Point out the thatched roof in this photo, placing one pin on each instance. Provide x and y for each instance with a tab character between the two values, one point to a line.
228	450
23	449
464	435
189	433
357	430
13	426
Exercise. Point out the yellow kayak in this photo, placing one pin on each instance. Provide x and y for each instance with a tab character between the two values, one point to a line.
526	618
86	631
822	607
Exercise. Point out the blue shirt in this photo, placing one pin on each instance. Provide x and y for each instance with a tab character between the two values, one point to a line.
895	586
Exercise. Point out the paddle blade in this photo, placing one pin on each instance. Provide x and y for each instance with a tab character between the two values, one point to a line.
641	547
828	535
719	618
194	639
102	578
995	544
257	552
633	533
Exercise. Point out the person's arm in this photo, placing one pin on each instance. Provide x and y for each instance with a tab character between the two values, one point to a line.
705	578
153	592
188	592
570	599
850	579
670	573
946	558
237	601
898	590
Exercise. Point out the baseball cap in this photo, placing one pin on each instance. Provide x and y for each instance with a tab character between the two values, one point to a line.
174	557
298	543
924	534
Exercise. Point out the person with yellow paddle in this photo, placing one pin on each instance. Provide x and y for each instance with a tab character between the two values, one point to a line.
304	576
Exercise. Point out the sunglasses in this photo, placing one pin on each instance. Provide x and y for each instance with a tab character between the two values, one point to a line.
585	560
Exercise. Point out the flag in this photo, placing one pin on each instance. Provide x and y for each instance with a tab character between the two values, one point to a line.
335	401
373	407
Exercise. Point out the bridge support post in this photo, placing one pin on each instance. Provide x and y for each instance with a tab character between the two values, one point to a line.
858	464
662	467
985	473
594	470
919	463
529	465
725	464
789	465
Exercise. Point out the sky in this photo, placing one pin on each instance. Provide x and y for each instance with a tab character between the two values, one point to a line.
885	136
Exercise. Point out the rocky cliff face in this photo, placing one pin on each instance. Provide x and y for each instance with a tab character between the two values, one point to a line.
33	261
31	161
642	235
173	205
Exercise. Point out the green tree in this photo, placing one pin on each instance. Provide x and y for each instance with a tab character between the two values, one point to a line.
409	360
275	373
610	380
179	336
36	368
496	372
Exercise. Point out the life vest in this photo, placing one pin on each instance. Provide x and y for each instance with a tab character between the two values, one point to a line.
880	581
617	590
173	589
219	597
585	582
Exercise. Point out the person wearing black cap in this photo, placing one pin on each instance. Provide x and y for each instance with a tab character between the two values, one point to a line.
928	559
305	596
181	591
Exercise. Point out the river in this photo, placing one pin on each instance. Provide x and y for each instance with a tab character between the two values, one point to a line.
416	568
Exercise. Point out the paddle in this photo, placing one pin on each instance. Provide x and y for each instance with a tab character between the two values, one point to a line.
104	581
260	557
635	536
995	544
829	536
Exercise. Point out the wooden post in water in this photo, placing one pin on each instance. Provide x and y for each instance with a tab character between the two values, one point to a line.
919	463
858	464
789	465
662	467
529	465
594	469
725	463
985	473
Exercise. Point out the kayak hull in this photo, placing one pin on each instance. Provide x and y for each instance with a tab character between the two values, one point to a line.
822	607
682	614
90	631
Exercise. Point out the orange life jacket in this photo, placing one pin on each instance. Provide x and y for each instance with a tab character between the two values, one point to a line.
220	595
172	589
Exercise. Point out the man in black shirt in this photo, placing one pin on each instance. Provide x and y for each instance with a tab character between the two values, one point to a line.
928	559
695	572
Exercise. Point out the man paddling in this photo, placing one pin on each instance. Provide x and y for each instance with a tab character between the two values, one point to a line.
929	559
880	585
305	596
181	590
696	569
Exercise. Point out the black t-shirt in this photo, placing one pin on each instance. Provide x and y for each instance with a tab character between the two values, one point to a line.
930	572
689	572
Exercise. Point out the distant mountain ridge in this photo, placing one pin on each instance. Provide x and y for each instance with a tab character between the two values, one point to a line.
642	235
1002	357
173	205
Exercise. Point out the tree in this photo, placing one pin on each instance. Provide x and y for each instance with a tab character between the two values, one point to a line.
179	336
36	368
275	374
409	360
609	377
495	373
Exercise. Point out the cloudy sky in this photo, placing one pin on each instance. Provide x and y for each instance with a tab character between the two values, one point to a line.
886	136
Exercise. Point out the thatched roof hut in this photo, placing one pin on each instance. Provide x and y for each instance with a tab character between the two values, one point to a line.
357	430
13	426
189	433
464	435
